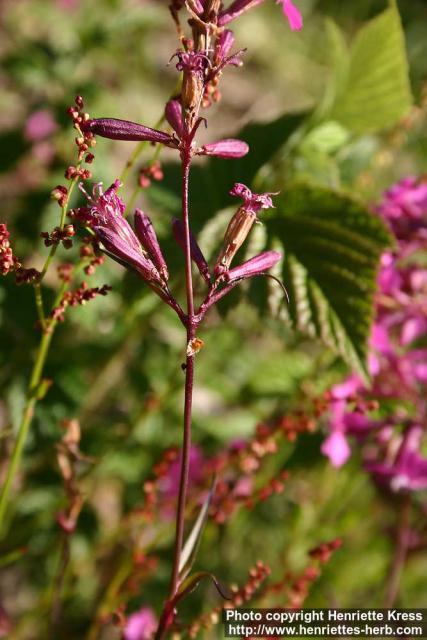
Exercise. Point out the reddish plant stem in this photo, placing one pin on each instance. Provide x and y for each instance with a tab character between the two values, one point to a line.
191	325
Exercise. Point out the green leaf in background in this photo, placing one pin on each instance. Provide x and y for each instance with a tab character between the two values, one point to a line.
332	246
374	92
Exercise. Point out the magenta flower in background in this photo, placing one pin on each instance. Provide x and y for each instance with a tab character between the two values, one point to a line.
336	448
408	470
140	625
169	484
397	359
40	125
68	5
238	7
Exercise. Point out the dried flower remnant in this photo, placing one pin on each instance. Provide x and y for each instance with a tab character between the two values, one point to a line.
240	224
193	65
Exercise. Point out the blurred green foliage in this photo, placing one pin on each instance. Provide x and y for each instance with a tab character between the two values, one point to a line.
327	111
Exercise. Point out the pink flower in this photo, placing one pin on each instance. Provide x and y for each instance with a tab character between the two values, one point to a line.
292	14
238	7
336	448
408	470
140	625
39	125
169	485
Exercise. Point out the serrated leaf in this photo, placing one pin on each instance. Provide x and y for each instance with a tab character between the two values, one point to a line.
375	93
332	246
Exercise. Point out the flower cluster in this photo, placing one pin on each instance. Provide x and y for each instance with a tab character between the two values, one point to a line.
81	296
397	359
139	250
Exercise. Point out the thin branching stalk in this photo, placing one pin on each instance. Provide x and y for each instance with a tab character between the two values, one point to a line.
188	393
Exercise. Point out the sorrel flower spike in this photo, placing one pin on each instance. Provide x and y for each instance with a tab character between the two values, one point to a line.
240	224
105	217
115	129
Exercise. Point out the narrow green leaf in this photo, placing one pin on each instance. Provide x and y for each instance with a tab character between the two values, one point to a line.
189	551
332	246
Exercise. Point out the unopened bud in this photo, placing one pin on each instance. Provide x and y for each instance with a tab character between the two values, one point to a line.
196	253
147	236
229	148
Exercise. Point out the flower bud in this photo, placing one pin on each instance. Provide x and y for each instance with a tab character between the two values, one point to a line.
253	267
196	253
127	255
229	148
173	114
115	129
224	44
147	236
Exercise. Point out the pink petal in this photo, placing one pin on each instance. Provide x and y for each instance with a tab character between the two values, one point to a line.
293	15
40	125
336	448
